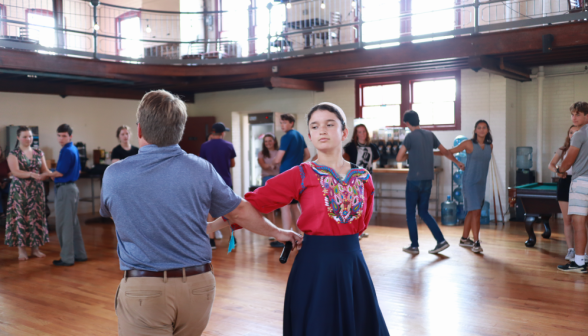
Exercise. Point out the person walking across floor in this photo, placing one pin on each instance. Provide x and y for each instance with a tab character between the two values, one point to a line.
269	168
293	151
563	190
67	197
221	154
168	287
577	158
26	224
420	144
479	153
124	149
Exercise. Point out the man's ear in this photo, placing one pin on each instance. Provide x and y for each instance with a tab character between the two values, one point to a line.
139	131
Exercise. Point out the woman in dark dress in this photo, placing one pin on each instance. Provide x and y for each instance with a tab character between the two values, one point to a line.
330	291
360	150
125	149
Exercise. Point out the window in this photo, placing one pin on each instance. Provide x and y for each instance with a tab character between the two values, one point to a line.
381	22
3	24
435	97
433	18
128	27
234	23
40	25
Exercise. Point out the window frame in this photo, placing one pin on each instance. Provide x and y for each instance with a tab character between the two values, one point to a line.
117	29
4	16
407	91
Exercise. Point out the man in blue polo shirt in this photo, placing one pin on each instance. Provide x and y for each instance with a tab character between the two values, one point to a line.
66	200
293	151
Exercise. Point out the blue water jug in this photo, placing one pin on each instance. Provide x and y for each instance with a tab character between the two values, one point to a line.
448	212
458	177
459	139
461	214
524	157
485	218
461	157
458	195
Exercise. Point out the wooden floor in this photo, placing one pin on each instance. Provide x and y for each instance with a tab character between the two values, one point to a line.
508	290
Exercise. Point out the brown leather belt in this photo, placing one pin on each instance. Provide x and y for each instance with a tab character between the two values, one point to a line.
174	273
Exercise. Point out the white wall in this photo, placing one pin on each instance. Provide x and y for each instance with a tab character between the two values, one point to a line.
94	121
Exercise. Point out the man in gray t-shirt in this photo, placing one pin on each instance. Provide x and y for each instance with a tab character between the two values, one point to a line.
577	155
421	143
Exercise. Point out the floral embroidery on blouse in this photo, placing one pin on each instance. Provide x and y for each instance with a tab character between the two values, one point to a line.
344	198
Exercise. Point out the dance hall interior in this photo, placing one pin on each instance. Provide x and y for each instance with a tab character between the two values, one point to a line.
294	167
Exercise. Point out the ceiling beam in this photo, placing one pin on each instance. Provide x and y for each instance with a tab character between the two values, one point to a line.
499	67
294	84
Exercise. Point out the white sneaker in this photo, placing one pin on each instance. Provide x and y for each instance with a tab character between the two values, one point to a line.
571	254
218	235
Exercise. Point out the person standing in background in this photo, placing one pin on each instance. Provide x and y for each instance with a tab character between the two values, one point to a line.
67	197
293	151
269	169
421	143
26	224
4	181
360	150
221	154
125	149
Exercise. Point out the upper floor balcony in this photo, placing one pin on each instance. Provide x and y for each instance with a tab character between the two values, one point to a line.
194	32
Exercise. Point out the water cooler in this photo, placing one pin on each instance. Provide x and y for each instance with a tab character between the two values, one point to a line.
524	175
456	183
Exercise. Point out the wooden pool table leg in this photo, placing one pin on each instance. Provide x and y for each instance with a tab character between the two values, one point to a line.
547	232
529	227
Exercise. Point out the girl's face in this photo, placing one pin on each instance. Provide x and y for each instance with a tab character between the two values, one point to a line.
269	142
25	138
361	134
124	136
572	131
482	130
324	130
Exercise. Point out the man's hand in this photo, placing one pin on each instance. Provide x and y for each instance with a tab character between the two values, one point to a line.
563	175
291	236
461	166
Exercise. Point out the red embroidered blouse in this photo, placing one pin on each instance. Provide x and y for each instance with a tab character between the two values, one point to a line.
331	206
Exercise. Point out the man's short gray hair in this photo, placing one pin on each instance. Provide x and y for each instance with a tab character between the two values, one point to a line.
162	117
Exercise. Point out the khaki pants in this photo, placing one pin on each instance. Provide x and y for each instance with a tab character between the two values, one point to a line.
155	306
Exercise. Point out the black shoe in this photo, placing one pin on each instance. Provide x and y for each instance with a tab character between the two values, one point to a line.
440	247
61	263
277	244
571	267
411	250
81	260
212	244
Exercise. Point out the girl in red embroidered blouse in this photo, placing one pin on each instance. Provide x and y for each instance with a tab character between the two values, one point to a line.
330	291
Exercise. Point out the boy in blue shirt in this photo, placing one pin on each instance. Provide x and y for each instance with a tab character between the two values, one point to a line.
67	197
293	151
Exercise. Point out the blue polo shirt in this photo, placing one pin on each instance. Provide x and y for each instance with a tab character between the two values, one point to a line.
68	164
159	200
293	143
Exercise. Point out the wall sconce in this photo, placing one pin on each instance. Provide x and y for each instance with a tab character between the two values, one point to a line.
323	6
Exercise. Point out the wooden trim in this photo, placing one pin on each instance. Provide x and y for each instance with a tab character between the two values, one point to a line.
295	84
407	94
117	28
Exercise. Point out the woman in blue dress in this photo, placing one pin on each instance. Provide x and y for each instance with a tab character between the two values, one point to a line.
479	153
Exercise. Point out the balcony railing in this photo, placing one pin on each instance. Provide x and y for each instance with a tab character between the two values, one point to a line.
241	33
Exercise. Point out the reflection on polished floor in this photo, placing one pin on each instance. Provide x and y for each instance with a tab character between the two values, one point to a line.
508	290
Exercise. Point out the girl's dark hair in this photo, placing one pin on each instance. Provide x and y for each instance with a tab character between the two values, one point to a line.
22	129
330	108
265	151
488	138
355	139
566	145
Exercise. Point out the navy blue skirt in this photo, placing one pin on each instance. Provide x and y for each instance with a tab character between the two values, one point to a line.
330	291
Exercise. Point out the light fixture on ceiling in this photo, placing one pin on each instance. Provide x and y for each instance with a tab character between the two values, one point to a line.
148	29
96	26
353	4
323	6
289	5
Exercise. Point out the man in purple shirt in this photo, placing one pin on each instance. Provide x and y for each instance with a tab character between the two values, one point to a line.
221	154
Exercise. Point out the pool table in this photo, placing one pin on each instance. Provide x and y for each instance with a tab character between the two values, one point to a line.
539	201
